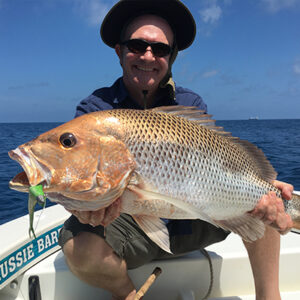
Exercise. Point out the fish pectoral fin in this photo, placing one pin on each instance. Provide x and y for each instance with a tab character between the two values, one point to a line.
247	227
155	229
149	195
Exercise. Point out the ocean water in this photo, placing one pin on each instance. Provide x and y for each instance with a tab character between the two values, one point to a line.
13	204
279	139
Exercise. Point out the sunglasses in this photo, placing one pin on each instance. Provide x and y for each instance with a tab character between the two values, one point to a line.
139	46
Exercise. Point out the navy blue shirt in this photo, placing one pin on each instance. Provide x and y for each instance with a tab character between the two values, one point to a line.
117	96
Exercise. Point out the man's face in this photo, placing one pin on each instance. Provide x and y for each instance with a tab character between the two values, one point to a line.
144	71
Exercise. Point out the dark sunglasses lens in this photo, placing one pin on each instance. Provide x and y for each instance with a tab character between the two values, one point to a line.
160	49
137	46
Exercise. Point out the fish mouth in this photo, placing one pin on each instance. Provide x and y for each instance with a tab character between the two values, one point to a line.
34	171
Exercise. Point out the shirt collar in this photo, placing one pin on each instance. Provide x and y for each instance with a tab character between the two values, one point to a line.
122	95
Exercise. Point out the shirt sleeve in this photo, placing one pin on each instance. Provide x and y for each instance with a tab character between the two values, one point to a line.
198	101
187	97
90	104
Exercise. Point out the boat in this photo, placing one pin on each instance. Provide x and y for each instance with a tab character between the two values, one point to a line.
35	269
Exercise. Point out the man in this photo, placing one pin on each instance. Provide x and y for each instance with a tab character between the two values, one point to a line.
146	35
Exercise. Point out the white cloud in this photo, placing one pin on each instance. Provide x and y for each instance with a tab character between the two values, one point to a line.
92	10
210	73
211	14
274	6
296	67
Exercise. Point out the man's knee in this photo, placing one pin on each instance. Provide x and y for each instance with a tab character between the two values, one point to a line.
86	251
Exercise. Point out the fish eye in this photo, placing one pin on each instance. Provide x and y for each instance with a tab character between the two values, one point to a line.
68	140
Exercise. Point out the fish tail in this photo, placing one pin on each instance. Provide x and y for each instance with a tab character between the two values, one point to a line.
292	208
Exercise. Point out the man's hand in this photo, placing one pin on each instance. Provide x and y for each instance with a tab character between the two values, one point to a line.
270	209
102	216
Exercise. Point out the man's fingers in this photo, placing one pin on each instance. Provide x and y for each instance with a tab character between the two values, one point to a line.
271	211
262	209
286	189
112	212
102	216
97	217
283	223
83	216
266	209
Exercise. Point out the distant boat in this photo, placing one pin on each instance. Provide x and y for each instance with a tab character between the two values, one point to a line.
254	118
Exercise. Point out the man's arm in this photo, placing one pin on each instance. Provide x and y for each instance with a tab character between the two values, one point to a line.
264	253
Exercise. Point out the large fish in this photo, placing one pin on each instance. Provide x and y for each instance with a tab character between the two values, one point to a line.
163	163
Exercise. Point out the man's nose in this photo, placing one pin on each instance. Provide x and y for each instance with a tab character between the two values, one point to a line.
148	54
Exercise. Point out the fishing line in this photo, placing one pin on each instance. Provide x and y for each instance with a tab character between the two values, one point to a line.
42	212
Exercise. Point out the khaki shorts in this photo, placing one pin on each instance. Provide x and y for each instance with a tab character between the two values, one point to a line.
133	245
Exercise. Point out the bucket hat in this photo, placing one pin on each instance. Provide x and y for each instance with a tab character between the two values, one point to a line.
173	11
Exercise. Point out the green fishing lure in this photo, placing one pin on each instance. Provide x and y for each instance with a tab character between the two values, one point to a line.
36	196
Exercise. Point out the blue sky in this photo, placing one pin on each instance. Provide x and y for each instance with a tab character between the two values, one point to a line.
244	62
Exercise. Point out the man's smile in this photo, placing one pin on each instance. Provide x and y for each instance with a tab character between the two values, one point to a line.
145	69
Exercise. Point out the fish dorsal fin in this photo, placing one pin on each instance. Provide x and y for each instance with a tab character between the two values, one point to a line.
175	109
261	164
193	114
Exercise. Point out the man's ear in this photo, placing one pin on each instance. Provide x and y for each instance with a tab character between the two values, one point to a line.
119	52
